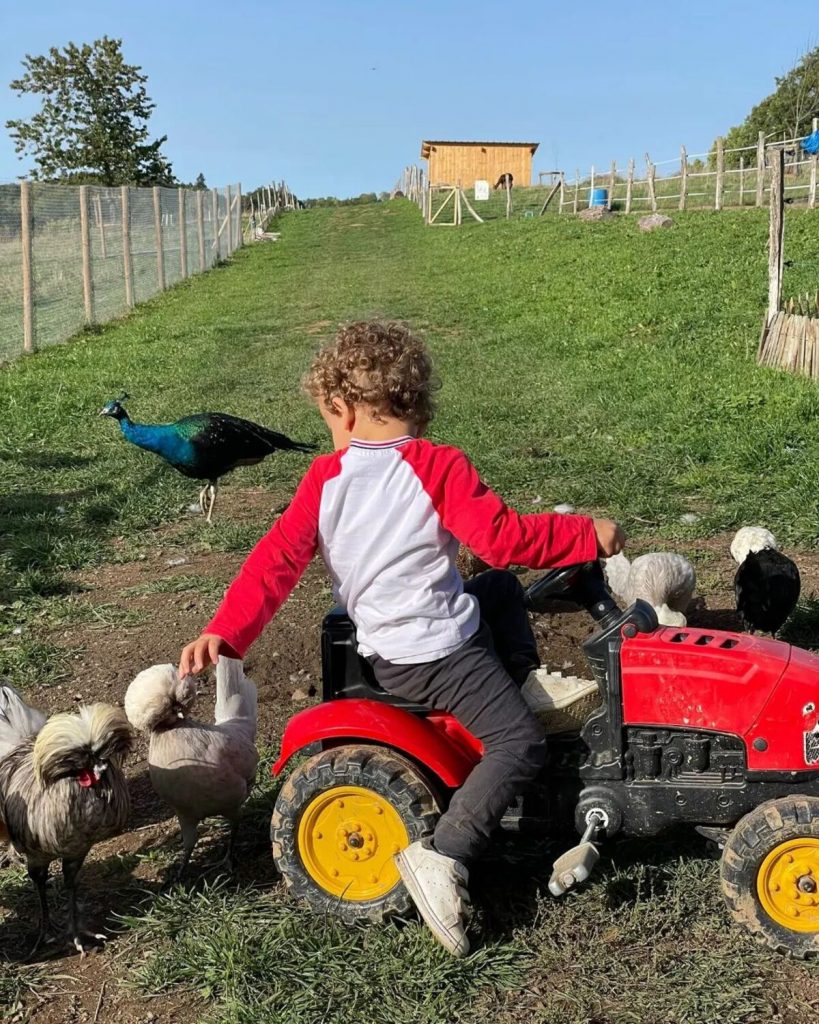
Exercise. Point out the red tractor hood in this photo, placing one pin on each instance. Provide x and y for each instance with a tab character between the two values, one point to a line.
765	691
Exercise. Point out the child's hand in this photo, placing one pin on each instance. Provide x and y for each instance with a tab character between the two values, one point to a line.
610	537
205	651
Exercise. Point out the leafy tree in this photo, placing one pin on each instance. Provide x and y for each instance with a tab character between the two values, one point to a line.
92	125
790	108
200	181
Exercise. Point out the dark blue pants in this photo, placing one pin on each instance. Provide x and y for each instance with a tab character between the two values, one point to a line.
480	685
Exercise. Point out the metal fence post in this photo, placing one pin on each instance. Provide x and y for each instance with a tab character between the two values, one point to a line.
28	287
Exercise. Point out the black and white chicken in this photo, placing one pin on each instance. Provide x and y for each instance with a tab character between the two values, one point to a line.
766	584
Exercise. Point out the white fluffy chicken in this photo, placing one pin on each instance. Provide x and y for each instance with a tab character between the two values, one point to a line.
198	769
664	579
62	789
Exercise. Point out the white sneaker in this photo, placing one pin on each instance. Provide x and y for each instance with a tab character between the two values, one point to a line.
562	703
437	885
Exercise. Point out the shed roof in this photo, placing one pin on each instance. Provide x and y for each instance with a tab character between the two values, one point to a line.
428	143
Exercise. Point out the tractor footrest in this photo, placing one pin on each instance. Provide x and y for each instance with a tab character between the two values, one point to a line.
573	867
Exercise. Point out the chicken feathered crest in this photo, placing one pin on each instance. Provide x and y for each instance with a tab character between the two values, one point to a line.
63	744
158	698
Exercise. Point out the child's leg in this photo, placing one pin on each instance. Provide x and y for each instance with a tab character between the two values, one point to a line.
473	686
500	596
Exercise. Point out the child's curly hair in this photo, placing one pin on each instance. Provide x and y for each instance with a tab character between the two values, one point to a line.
378	363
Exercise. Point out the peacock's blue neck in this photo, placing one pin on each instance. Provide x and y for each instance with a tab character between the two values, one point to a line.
161	438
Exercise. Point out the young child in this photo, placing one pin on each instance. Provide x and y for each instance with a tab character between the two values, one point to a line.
387	510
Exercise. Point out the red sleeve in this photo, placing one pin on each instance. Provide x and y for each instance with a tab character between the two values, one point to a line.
483	522
274	566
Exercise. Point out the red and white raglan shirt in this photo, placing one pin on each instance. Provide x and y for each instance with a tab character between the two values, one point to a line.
387	518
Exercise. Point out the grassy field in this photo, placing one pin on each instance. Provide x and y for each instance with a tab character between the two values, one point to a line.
579	362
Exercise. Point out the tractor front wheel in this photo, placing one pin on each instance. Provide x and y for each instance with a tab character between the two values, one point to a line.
770	874
338	822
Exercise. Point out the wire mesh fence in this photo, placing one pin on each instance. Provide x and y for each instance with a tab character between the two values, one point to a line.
71	256
722	178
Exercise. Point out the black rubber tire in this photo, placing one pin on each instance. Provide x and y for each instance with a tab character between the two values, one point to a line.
753	838
390	775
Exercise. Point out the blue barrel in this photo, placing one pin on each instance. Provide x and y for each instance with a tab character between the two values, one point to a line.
598	197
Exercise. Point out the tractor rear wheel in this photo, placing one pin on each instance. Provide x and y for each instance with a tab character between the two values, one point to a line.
770	874
338	822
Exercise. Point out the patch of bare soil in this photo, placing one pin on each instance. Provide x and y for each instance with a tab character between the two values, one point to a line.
163	613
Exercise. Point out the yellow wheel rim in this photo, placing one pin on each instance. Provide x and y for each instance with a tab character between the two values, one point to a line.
347	839
788	884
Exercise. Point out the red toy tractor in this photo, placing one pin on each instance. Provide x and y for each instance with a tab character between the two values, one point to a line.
715	729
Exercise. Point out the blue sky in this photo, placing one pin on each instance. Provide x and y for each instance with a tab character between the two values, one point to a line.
254	90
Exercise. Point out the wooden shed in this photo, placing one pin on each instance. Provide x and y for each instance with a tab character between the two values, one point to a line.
464	163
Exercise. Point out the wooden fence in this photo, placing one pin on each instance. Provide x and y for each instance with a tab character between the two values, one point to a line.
720	179
263	205
74	256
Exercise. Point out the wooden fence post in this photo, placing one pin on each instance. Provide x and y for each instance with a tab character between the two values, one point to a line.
576	188
760	168
127	262
630	185
612	183
683	177
591	186
101	224
562	192
720	173
200	229
776	230
229	221
160	255
28	283
85	239
650	172
239	233
183	235
214	206
814	162
742	181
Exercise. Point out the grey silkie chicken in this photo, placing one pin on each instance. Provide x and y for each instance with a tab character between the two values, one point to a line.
62	790
198	769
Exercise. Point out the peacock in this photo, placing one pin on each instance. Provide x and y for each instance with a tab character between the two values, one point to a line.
204	446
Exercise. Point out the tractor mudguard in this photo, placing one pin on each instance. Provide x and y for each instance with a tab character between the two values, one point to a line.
437	741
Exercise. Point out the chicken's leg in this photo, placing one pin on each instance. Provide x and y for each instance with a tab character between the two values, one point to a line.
190	834
39	875
229	859
202	494
71	869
